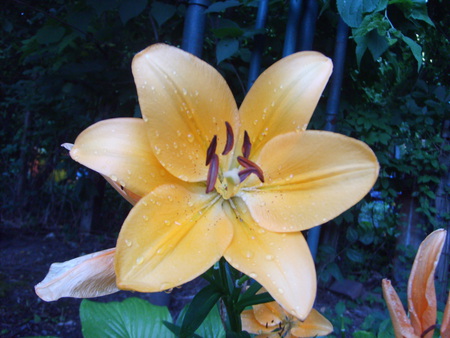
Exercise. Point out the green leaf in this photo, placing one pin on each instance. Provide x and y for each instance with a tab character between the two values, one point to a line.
226	48
212	326
355	255
221	6
199	309
101	6
50	34
162	12
363	334
352	234
416	49
132	318
352	11
130	9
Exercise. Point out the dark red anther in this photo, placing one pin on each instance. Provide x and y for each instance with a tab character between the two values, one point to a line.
247	164
246	146
213	172
244	173
211	150
230	139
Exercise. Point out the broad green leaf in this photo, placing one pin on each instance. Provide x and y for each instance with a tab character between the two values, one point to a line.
199	309
130	9
50	34
355	255
416	49
162	12
220	6
352	11
226	48
133	318
363	334
212	326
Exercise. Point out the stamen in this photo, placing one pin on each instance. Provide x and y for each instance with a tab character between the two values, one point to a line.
247	164
213	172
246	146
211	150
230	139
244	173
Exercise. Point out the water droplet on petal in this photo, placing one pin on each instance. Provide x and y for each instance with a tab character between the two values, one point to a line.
128	243
253	275
145	217
280	290
114	178
269	257
249	254
190	138
139	260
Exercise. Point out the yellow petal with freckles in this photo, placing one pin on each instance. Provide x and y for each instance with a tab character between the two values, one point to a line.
171	236
250	323
119	149
314	325
269	314
282	263
445	327
185	102
83	277
284	97
400	322
311	177
421	290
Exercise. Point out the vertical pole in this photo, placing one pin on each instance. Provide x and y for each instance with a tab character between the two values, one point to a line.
194	27
290	40
332	106
255	62
308	25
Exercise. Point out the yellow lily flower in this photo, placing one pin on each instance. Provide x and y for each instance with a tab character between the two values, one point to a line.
421	294
271	320
209	180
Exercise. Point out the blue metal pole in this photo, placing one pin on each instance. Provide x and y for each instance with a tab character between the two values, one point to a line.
308	25
194	27
255	62
290	40
332	106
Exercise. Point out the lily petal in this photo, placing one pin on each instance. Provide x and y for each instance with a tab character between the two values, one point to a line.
445	327
400	322
282	263
119	149
421	290
252	325
171	236
311	177
83	277
314	325
284	97
185	102
268	314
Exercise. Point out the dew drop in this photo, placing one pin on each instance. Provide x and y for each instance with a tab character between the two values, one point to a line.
269	257
249	254
190	138
253	275
139	260
280	290
167	222
145	217
177	223
184	91
178	133
159	251
157	150
128	243
255	122
114	178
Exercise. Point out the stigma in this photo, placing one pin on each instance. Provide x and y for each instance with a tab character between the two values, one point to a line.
234	176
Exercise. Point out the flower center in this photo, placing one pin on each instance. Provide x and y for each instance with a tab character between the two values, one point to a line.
231	179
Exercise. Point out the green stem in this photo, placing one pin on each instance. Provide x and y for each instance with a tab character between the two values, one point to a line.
233	315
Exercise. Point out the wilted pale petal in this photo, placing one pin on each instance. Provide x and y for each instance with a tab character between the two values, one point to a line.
445	327
400	322
83	277
311	177
282	263
185	102
171	236
314	325
119	149
284	97
421	291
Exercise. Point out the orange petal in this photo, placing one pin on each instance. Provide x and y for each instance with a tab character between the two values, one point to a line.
311	177
269	314
119	149
445	327
284	97
280	262
252	325
314	325
400	322
171	236
421	291
185	102
83	277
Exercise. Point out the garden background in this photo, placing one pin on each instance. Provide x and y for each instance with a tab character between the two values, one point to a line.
66	65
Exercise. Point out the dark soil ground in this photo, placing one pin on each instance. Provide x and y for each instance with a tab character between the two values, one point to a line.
25	262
